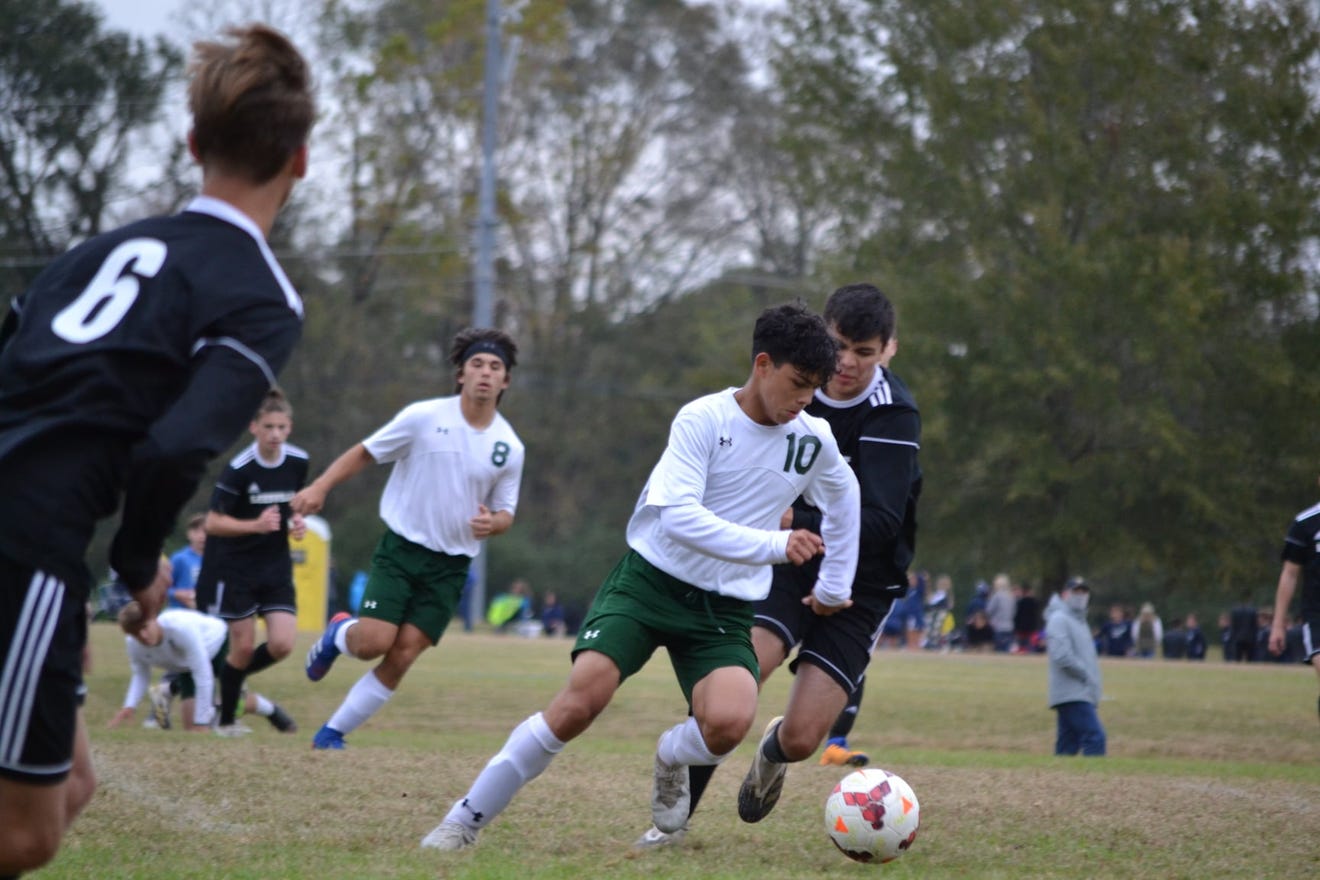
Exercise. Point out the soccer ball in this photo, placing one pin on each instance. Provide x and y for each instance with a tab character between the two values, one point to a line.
872	815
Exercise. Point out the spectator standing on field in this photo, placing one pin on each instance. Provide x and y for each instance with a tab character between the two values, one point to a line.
1074	679
186	564
1000	608
1147	632
1243	627
1026	618
1195	638
1115	638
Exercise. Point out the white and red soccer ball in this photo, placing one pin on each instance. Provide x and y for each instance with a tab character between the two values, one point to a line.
872	815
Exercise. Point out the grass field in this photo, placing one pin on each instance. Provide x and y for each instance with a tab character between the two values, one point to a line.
1214	771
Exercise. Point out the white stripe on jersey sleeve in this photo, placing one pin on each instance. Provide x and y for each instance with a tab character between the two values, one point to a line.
231	343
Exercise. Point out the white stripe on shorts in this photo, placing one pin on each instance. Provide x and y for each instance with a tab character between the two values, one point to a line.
22	669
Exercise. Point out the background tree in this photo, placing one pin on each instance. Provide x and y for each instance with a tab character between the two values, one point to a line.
1101	230
75	100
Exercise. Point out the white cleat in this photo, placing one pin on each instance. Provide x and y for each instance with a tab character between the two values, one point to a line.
654	838
238	728
671	796
160	704
450	836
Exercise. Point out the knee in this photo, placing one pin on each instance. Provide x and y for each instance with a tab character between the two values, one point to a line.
81	787
798	741
724	731
26	847
365	645
572	712
280	648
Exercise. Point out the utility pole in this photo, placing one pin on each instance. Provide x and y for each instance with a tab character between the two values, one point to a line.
483	269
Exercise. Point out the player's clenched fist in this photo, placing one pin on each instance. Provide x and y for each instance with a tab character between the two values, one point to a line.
803	546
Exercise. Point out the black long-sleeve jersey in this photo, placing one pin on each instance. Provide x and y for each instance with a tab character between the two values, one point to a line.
1302	546
246	487
131	361
879	433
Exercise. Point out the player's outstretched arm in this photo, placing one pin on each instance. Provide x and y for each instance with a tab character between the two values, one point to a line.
311	498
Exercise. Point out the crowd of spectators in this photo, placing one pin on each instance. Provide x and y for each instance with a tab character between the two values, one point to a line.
1004	616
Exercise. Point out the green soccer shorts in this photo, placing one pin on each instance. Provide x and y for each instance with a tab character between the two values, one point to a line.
413	584
639	608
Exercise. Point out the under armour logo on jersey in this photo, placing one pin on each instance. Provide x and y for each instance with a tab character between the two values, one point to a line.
369	603
590	634
441	429
726	441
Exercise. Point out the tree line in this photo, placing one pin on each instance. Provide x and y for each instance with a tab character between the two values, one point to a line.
1099	230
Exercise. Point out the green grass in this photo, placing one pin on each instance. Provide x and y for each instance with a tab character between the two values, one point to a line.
1214	771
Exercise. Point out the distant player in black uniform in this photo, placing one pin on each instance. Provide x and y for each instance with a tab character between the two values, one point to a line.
130	362
247	570
878	429
1301	562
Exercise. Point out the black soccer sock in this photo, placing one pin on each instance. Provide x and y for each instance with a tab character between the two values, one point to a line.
698	778
231	686
772	751
843	725
261	659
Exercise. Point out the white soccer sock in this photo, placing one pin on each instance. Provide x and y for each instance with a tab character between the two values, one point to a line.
683	744
341	638
364	700
264	706
528	751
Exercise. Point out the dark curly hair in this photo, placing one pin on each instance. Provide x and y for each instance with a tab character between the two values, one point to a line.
464	339
467	337
793	334
861	311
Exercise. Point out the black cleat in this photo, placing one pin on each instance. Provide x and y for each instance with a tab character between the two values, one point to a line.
280	720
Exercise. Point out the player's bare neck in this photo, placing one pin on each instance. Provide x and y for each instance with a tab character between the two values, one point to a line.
750	403
478	414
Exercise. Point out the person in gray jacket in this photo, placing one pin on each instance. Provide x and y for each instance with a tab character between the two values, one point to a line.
1074	672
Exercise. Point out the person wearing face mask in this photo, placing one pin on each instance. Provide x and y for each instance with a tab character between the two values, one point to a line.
1074	686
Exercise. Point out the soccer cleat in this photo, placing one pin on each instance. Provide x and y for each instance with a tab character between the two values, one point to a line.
160	704
281	721
323	652
654	838
763	783
238	728
842	756
450	836
328	738
671	796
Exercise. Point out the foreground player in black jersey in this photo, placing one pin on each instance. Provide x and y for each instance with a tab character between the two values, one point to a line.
1301	564
130	362
875	421
248	571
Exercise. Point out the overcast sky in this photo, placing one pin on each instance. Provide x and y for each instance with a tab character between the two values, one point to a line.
142	17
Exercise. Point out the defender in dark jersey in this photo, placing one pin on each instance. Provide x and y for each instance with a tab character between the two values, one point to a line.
247	570
1301	562
129	363
877	426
